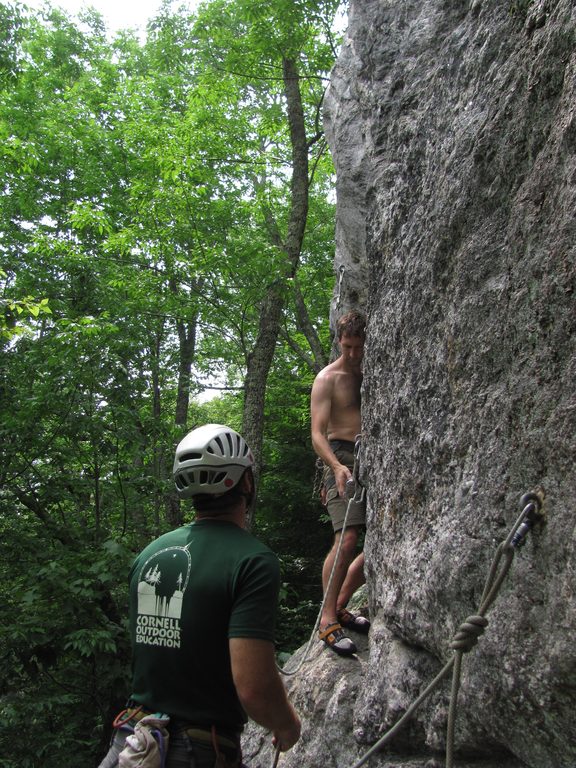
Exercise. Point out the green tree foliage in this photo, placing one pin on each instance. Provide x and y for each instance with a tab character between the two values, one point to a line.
263	54
149	216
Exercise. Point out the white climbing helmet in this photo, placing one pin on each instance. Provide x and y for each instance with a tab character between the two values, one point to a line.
210	460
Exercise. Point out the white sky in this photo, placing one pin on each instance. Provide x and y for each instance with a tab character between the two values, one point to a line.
117	14
122	14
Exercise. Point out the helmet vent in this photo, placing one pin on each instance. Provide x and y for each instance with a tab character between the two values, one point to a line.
181	481
216	442
191	456
209	477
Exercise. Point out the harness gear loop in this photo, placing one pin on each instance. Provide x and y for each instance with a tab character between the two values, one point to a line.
125	716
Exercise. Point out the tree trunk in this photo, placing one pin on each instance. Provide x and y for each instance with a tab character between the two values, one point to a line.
187	339
260	359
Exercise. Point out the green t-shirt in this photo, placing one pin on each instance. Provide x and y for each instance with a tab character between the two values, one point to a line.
190	591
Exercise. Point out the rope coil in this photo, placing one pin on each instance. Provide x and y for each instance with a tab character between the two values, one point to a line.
468	634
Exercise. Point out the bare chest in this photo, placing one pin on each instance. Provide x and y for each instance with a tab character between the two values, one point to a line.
346	395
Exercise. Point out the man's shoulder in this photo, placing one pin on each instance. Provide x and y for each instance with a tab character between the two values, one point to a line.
245	543
164	541
253	556
257	547
330	371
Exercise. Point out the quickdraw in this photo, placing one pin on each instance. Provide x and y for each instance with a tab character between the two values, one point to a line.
341	271
354	488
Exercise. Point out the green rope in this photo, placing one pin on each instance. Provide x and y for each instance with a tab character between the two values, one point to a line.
469	632
389	735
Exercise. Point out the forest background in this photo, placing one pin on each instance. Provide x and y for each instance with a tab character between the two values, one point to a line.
166	225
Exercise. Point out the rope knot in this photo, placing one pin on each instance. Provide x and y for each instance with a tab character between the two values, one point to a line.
468	633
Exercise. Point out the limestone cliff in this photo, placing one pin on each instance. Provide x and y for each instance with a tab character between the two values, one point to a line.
453	130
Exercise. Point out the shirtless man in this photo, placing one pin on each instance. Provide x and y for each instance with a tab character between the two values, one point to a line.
335	416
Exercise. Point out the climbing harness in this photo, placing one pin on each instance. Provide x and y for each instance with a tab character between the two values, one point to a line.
355	493
468	633
146	745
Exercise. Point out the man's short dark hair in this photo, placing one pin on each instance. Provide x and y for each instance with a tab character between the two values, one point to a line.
221	504
205	503
351	324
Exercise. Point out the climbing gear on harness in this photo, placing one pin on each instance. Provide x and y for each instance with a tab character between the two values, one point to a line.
210	460
468	633
143	724
335	638
355	491
132	715
350	621
147	746
127	716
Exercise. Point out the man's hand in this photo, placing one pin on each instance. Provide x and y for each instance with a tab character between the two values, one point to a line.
261	690
285	738
342	474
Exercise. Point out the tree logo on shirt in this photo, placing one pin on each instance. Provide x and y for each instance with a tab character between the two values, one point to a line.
161	584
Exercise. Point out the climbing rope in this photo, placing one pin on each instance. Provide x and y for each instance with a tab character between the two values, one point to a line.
468	633
355	493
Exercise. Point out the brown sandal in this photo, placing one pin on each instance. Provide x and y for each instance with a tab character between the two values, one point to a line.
335	638
350	621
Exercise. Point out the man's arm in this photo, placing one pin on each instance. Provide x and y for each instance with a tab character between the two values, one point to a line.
261	691
320	409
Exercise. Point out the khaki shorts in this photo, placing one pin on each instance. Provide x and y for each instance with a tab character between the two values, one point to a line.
336	504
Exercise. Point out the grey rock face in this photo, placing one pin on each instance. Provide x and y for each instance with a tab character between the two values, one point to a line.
453	129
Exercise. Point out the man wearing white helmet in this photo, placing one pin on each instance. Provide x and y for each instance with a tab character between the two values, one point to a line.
203	601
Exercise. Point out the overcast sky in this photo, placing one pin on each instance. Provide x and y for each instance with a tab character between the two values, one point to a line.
118	14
